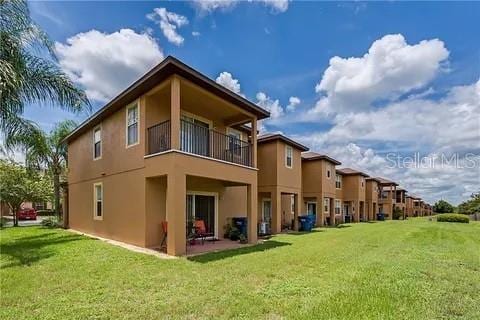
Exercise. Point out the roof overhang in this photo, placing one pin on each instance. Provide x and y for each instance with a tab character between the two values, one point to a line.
283	138
168	67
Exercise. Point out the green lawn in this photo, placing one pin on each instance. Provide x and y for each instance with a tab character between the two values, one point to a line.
415	269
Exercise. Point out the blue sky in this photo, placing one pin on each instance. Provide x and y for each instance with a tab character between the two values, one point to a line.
425	65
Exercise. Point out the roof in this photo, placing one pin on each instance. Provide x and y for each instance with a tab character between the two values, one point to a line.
168	67
310	155
373	179
268	137
414	197
387	182
351	172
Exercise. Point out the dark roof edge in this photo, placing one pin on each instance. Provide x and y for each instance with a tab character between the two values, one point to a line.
284	139
322	157
177	65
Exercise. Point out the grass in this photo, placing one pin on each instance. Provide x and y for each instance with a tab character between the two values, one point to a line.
414	269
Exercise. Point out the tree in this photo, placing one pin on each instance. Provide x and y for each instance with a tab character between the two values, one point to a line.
29	72
48	151
18	185
443	206
470	206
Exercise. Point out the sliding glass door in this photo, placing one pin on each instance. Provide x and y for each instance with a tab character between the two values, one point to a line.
201	206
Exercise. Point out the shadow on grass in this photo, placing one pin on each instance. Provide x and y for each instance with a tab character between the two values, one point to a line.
343	226
215	256
26	251
302	233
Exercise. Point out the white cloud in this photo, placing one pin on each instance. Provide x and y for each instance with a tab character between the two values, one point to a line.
106	63
293	102
417	125
196	34
273	106
209	6
169	22
226	79
389	69
277	6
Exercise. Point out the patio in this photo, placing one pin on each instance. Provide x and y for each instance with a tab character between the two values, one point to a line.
213	246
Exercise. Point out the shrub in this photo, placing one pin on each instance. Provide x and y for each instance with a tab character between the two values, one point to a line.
50	222
453	217
397	213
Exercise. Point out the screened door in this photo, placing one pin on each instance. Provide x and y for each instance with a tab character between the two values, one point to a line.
194	136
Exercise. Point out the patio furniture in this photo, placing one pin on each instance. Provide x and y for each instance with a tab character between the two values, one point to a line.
201	231
164	229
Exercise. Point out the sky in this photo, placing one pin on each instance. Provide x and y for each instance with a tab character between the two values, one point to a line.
389	88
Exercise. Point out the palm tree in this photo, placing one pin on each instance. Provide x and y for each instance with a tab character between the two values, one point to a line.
29	72
48	151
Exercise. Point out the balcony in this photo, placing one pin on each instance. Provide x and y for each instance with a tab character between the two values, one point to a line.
202	141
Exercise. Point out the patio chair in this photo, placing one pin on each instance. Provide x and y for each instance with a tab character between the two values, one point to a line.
201	231
163	245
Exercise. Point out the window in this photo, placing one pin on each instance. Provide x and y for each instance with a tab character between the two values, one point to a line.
326	204
132	125
362	180
98	201
288	156
97	143
328	172
235	141
338	206
338	181
292	202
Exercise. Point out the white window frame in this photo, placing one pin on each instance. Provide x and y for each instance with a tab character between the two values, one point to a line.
206	193
131	106
362	182
338	180
99	127
339	202
329	172
325	201
287	148
95	200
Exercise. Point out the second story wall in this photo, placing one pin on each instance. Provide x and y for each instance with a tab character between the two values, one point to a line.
353	187
272	167
115	156
371	191
319	176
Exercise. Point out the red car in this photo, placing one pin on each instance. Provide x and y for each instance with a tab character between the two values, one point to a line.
27	214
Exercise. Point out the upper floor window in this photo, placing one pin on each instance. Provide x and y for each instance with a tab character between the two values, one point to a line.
133	128
338	181
97	143
288	156
98	201
328	172
362	181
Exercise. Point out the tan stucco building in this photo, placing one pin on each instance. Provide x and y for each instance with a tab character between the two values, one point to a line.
387	197
167	149
279	181
371	198
353	194
319	187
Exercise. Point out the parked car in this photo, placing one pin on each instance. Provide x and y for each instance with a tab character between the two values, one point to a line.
27	214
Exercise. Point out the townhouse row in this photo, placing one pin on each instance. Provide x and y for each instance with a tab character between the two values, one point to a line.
176	148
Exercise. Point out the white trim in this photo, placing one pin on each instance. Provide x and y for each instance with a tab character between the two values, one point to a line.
198	156
312	202
263	208
206	193
196	117
328	207
95	200
131	106
101	142
287	147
